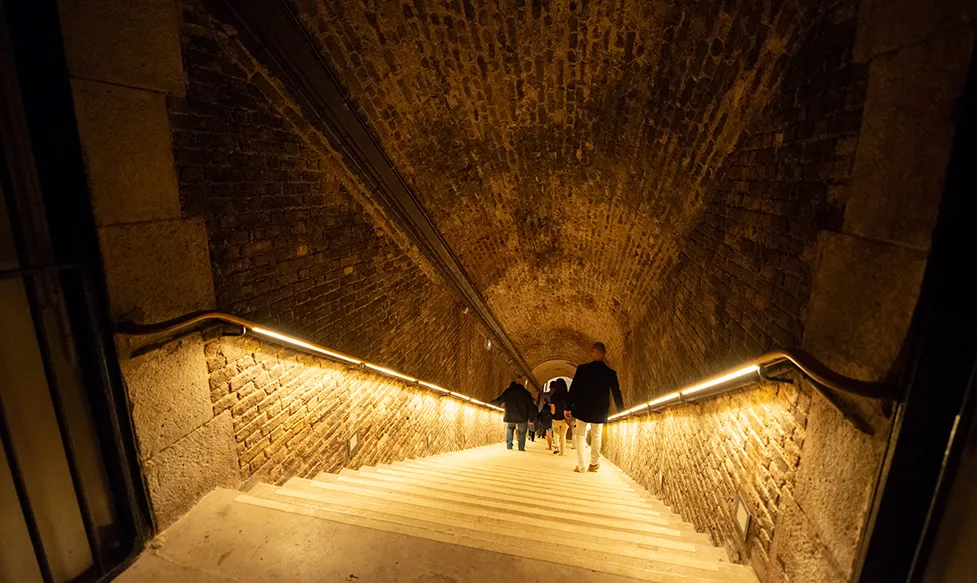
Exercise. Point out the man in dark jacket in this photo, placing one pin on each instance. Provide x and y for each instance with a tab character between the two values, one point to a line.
519	409
589	402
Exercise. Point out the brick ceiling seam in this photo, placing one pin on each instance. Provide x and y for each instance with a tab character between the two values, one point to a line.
278	38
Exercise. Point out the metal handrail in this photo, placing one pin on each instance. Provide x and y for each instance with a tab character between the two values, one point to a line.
823	379
188	322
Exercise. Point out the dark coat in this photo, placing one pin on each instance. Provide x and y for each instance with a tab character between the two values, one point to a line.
519	404
544	420
558	397
589	396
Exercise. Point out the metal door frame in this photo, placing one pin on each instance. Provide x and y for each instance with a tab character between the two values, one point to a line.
54	230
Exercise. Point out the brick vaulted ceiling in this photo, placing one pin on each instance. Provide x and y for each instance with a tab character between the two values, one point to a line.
561	148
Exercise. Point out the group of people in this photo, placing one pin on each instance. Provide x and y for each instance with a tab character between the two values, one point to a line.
584	404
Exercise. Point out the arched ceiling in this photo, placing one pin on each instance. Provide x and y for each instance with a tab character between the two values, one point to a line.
561	148
550	369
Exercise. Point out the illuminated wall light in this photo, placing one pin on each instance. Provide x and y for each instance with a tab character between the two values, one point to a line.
693	389
718	381
392	373
665	399
380	369
305	345
435	387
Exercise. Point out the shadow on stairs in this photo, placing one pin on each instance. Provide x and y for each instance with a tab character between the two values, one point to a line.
484	514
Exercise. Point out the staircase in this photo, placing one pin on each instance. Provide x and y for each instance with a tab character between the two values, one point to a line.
527	504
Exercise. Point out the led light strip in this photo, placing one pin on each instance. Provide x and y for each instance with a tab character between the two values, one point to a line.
371	366
681	394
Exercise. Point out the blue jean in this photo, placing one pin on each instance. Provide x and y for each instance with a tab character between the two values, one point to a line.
509	428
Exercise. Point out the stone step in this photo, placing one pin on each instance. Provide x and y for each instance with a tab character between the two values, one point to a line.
462	504
480	491
552	491
517	469
570	482
644	565
597	494
670	542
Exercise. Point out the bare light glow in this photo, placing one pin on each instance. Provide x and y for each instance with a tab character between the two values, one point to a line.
693	389
390	372
665	399
305	345
435	387
718	381
381	369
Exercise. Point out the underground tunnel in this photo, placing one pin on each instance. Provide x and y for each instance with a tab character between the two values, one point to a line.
266	268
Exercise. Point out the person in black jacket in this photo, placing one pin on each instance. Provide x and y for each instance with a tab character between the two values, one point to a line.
519	409
544	420
557	404
589	402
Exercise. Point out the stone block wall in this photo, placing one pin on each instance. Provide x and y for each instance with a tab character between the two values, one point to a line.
699	457
295	239
227	412
838	274
293	414
743	274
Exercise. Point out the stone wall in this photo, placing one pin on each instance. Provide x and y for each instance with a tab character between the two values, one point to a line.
740	284
700	457
295	240
847	294
293	413
210	190
231	411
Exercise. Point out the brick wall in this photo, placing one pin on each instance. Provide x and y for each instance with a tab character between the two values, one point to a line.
565	149
292	414
295	240
739	286
747	442
742	277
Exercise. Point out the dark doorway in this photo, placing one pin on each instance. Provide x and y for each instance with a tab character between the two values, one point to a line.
71	499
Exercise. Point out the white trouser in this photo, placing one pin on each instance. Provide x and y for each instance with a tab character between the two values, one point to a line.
580	438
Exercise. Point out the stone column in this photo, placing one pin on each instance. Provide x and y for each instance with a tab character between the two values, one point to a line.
125	60
868	276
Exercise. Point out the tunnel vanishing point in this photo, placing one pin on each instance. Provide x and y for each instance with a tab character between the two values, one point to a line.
265	265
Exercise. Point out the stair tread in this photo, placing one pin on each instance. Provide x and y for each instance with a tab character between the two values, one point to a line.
589	481
498	504
463	506
570	480
496	493
662	572
501	484
492	499
665	540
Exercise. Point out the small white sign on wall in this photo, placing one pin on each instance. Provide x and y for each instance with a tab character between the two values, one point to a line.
743	517
353	443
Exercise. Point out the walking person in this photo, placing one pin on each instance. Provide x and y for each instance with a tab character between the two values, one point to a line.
588	402
519	406
544	421
558	401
